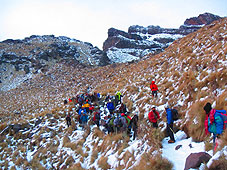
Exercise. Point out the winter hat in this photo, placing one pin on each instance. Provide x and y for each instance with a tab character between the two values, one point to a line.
152	82
207	108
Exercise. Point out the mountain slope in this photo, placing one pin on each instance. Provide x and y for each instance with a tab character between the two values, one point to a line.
190	72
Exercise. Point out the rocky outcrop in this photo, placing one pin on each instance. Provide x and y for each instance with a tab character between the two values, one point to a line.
139	40
21	59
202	19
194	160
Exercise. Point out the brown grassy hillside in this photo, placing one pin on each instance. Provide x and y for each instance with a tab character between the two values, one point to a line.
192	71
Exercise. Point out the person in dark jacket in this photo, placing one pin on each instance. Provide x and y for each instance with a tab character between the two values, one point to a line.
169	124
134	125
68	120
97	118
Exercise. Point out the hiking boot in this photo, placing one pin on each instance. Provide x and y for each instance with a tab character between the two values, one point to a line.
171	141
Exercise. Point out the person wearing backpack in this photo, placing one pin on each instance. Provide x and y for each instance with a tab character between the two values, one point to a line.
154	89
214	122
169	123
153	117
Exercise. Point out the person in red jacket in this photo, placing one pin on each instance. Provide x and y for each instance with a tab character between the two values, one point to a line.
153	117
154	89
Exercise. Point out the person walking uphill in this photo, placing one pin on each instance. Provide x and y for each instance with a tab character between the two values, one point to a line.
214	122
154	89
153	117
169	124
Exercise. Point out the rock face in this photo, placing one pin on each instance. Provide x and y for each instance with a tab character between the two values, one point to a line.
20	60
139	40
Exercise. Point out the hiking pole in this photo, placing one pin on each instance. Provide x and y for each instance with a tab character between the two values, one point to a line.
171	130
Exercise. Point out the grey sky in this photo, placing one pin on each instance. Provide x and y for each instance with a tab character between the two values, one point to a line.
89	20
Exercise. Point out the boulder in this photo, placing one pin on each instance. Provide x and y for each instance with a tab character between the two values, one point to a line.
194	160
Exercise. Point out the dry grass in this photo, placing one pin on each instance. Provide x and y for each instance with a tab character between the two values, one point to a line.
102	162
197	117
153	163
219	164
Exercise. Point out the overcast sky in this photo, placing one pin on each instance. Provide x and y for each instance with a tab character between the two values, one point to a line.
89	20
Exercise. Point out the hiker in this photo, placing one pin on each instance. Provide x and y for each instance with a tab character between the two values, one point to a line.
83	119
214	122
123	122
118	97
96	118
86	105
117	124
68	120
126	126
134	125
154	89
110	106
123	108
153	117
65	102
81	111
169	124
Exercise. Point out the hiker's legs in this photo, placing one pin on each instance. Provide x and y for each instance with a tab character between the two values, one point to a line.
155	125
170	131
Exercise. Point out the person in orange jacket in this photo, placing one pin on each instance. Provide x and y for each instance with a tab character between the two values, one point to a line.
154	89
153	117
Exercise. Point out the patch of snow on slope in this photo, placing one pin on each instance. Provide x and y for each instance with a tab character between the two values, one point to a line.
118	56
178	157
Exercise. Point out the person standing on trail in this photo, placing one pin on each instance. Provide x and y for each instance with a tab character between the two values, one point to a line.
153	117
118	97
154	89
169	124
68	120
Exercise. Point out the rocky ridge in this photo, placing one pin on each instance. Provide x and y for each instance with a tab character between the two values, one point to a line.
140	41
22	59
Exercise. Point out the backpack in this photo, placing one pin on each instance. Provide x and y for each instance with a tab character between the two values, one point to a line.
218	124
128	119
175	114
224	117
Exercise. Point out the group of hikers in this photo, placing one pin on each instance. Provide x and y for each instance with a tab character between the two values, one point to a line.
110	112
115	118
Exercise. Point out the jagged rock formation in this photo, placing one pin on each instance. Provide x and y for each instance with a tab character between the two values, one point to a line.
139	40
21	59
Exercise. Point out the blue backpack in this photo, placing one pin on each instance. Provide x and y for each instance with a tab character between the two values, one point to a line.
224	117
219	124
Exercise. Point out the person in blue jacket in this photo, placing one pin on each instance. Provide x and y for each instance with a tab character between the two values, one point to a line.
110	106
169	124
84	119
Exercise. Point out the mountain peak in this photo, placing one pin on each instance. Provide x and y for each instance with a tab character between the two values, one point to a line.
202	19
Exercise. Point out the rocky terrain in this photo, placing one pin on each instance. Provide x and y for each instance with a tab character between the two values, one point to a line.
140	41
21	60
